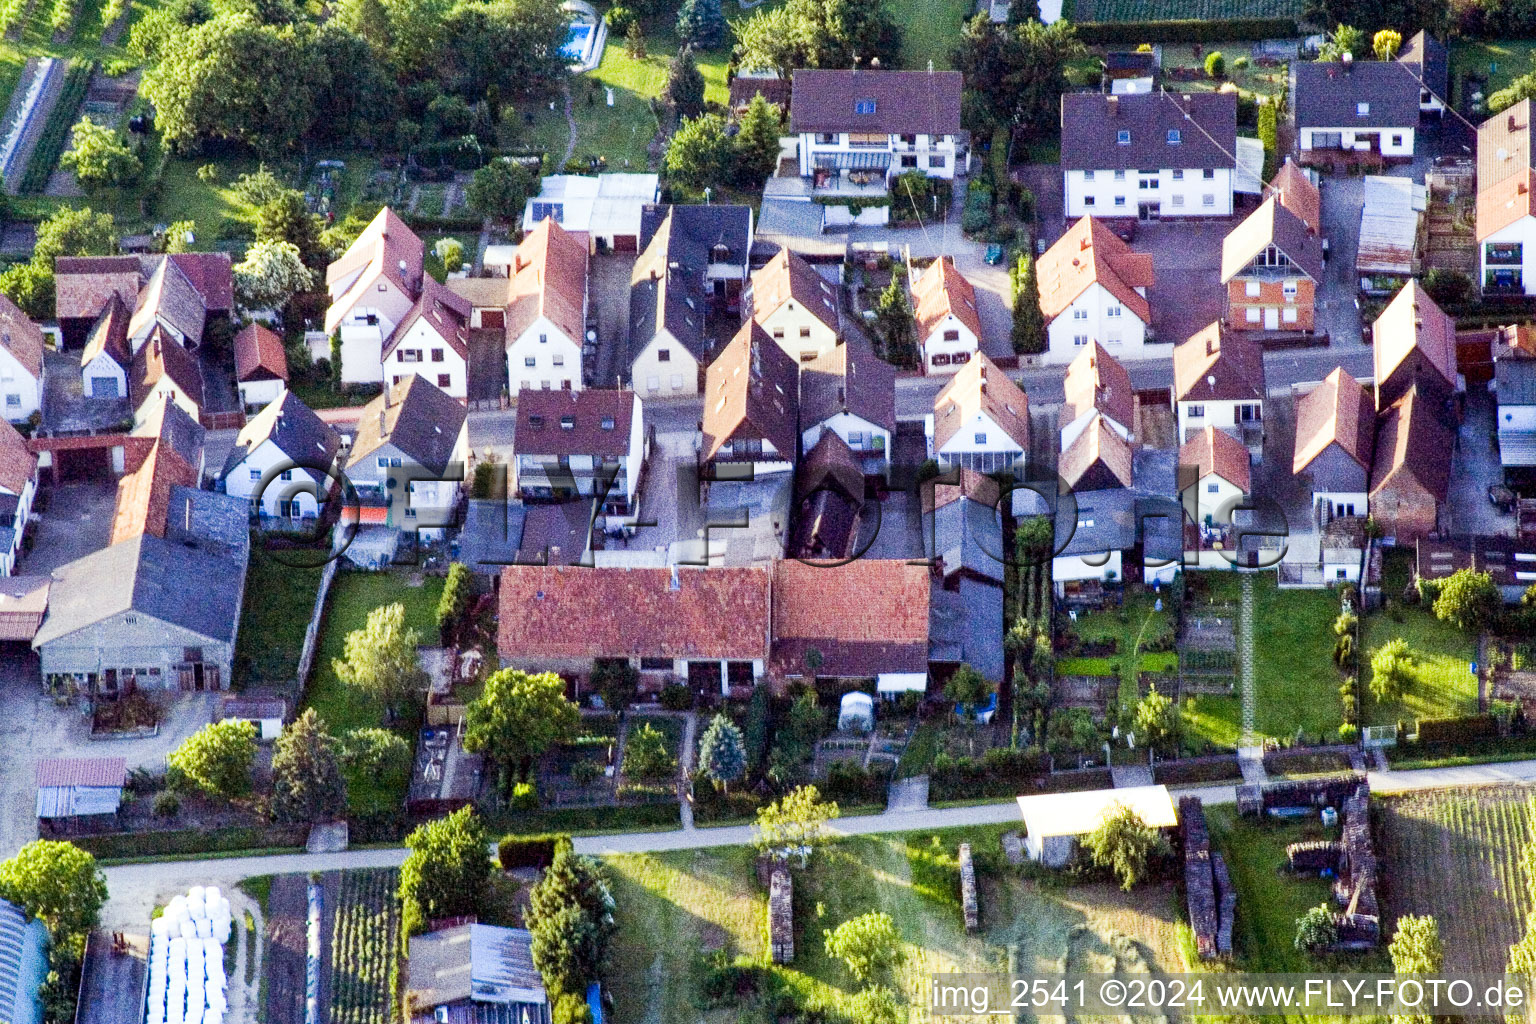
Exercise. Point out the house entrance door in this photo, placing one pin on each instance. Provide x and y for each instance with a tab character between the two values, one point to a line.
1271	319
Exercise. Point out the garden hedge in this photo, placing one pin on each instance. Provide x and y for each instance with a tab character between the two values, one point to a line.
54	138
1458	730
537	851
171	842
1191	31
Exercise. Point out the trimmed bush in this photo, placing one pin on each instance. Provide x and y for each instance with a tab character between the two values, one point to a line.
1186	31
676	697
1458	730
536	851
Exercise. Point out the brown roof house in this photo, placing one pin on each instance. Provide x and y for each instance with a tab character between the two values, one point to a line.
1099	459
1094	288
1411	471
1506	203
829	502
1218	379
433	341
1272	261
373	286
1335	444
261	366
1414	345
858	129
980	420
851	392
21	363
866	619
948	323
581	444
751	409
283	460
411	453
1214	477
179	292
708	627
545	311
1158	153
163	369
795	305
1097	385
1350	111
106	360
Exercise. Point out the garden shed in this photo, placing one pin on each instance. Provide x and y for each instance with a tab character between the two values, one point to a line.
1054	821
266	714
75	787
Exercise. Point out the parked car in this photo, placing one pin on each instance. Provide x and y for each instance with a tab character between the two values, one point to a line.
1501	498
994	254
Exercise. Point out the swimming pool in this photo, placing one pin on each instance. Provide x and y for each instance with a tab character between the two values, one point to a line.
577	37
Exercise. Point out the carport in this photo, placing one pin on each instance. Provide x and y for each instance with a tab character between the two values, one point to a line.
90	457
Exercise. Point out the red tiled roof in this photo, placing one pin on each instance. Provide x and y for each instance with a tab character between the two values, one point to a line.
1299	195
976	486
1090	253
1216	451
1413	322
599	423
572	612
259	355
752	392
549	278
788	276
1339	411
108	772
1411	440
144	496
1215	366
980	387
1099	459
161	356
446	311
865	617
21	337
1097	380
212	276
939	291
18	464
896	102
384	247
82	284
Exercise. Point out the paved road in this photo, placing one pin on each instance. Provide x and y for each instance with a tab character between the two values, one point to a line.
136	888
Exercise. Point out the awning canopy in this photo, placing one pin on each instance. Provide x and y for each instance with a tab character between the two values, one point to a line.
901	682
863	160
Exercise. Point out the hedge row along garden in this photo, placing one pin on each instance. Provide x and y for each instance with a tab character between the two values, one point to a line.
365	945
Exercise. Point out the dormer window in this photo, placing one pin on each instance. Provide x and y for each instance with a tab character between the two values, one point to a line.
1123	136
863	106
535	420
1174	137
567	422
1362	109
607	422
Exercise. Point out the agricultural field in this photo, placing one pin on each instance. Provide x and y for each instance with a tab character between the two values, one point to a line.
1456	854
1177	10
675	908
365	940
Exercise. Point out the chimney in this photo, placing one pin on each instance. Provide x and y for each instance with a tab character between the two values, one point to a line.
1114	105
675	583
382	429
1510	125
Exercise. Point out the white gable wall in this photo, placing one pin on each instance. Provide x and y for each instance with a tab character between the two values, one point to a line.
103	378
556	359
22	392
424	351
652	376
1096	315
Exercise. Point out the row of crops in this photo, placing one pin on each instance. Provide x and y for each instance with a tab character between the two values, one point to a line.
1457	855
61	17
365	945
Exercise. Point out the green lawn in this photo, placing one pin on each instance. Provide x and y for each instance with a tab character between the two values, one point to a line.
675	908
352	597
1501	60
1137	622
1251	80
278	601
1442	685
931	30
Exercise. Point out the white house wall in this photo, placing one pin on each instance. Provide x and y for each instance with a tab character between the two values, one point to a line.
22	391
424	338
1183	192
1360	139
545	344
1524	232
652	378
244	480
103	368
934	345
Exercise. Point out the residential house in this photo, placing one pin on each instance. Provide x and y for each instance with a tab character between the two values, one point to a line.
722	231
152	611
1506	209
373	287
283	460
829	503
865	619
671	298
980	420
1414	345
1335	446
1411	471
849	391
1351	110
706	626
433	341
1151	155
546	311
751	409
1430	61
18	486
1392	233
179	292
1515	384
411	453
106	360
163	369
1214	478
1099	459
21	363
866	126
1116	519
1096	385
948	323
174	458
1272	262
748	85
23	603
963	539
261	366
472	973
1218	379
584	444
605	208
1094	288
795	305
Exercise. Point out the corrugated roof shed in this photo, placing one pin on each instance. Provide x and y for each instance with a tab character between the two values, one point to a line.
1389	225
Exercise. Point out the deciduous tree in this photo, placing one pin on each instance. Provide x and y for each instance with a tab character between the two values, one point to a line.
59	884
1415	949
1157	720
647	756
1316	929
500	189
1391	668
271	274
699	154
795	823
448	870
1468	599
1345	39
1125	845
1019	71
516	718
98	157
867	944
381	658
819	34
217	759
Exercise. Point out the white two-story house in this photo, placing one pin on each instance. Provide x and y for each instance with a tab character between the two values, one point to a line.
373	287
870	126
580	444
948	323
795	305
1153	155
18	486
1097	385
851	392
1348	109
411	455
980	420
1218	380
21	363
751	409
283	461
1093	288
546	310
1506	203
432	340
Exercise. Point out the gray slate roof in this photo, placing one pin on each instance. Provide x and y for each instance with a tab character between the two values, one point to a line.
296	431
1516	380
967	626
419	419
711	225
1205	123
1326	94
